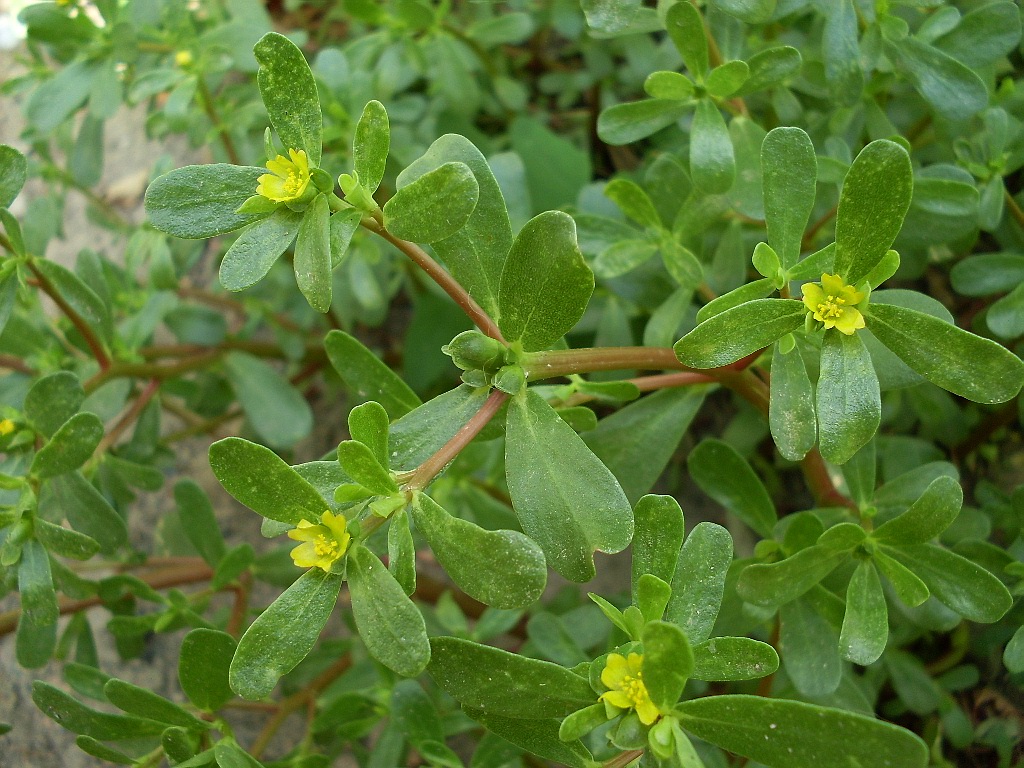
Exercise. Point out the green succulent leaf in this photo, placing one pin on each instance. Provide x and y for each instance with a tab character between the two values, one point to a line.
367	377
289	92
789	169
658	535
200	201
668	662
866	624
929	516
712	158
772	584
203	667
686	30
952	89
849	404
698	584
724	475
77	718
370	144
435	205
792	417
13	172
738	332
626	123
70	447
258	248
733	658
313	254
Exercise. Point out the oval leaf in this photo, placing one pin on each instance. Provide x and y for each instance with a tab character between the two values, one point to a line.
738	332
435	206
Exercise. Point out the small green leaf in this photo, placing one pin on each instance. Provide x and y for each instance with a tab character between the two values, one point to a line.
953	90
712	158
13	172
360	463
402	552
583	721
668	85
264	482
749	11
434	206
668	663
96	748
623	256
738	332
954	359
35	584
658	535
343	226
258	248
199	521
415	437
983	35
566	499
633	201
789	170
368	424
791	734
199	201
874	200
724	80
724	475
929	516
77	294
1013	654
772	584
52	400
70	447
276	410
289	91
370	144
388	622
841	53
791	414
1005	317
143	702
960	584
733	658
65	542
908	587
866	624
284	634
58	97
77	718
686	29
809	645
539	737
503	569
545	284
313	254
626	123
203	667
506	684
367	376
698	585
768	68
758	289
849	404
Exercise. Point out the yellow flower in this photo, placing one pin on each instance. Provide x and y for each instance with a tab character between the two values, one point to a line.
322	545
624	677
289	178
833	303
6	427
183	58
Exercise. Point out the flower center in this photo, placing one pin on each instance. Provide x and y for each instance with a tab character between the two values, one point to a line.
634	689
292	183
831	307
326	547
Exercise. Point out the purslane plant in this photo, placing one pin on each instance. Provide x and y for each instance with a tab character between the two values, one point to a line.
503	477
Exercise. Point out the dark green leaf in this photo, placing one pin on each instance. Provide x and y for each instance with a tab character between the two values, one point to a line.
367	377
70	447
256	250
78	295
13	172
65	542
738	332
724	475
360	463
77	718
866	624
284	634
791	415
724	80
686	29
967	365
699	581
313	254
433	206
768	68
668	662
420	433
958	583
626	123
504	569
264	482
343	226
637	442
52	400
506	684
198	520
733	658
476	253
712	159
841	53
88	511
368	423
388	622
610	15
402	552
57	98
203	667
147	704
633	202
199	201
370	144
789	170
537	736
848	401
771	584
791	734
809	643
983	35
908	587
289	92
951	89
657	538
545	284
35	583
566	499
874	200
276	410
749	11
929	516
